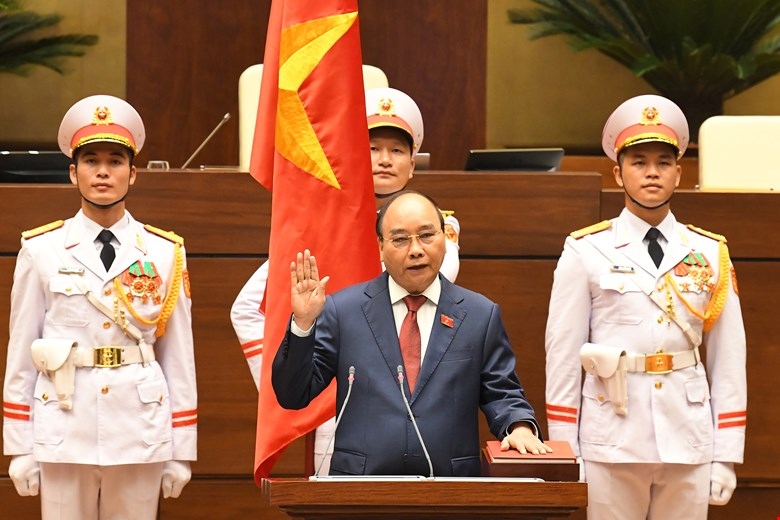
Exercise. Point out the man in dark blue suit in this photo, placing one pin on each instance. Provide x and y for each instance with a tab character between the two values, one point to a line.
467	361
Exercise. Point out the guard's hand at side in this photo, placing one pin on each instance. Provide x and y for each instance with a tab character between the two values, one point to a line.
25	472
175	475
308	291
723	482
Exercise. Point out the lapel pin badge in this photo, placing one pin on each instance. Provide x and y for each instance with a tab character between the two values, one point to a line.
447	321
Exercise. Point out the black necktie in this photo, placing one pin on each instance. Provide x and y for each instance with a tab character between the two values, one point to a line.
107	254
653	247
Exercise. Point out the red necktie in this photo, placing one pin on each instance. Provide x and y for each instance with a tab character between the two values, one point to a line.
410	339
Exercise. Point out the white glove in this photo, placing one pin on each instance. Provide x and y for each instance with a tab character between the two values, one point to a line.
582	468
175	475
723	481
25	471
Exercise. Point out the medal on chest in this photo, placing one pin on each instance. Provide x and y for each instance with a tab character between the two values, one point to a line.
142	281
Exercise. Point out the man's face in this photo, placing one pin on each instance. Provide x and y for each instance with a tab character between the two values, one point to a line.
391	160
103	172
416	265
648	172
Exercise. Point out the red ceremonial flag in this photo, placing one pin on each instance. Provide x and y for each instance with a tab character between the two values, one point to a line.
311	150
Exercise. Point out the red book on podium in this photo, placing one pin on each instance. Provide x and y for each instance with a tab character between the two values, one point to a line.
560	465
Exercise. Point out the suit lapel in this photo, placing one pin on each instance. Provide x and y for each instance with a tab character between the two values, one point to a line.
677	249
378	311
132	249
448	319
83	249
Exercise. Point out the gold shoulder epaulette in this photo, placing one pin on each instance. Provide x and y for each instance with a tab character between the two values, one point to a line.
595	228
446	212
40	230
708	234
169	235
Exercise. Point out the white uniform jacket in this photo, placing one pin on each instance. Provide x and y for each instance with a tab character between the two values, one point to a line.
675	417
130	414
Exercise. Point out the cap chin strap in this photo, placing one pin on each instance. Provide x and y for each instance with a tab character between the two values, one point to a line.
388	195
642	205
650	208
105	206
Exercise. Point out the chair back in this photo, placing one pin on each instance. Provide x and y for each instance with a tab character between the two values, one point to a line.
739	153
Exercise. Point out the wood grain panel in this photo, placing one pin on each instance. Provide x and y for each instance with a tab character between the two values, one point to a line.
183	65
603	165
747	220
511	214
436	51
183	68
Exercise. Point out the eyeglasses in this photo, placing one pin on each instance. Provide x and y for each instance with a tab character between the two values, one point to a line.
404	241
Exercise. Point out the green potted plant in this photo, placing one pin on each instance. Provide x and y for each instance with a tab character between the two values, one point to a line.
698	53
20	50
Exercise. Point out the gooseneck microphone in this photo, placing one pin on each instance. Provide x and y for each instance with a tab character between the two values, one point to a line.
350	380
400	370
206	140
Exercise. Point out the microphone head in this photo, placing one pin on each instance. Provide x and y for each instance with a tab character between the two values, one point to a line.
352	370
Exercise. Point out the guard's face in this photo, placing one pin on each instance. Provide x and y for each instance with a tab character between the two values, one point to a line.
103	172
648	172
391	160
415	265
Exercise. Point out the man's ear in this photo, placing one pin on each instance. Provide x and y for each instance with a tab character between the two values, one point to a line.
618	173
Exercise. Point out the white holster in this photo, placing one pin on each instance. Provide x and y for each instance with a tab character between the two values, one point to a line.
609	364
54	359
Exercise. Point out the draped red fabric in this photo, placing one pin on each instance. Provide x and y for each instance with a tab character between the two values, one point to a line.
311	151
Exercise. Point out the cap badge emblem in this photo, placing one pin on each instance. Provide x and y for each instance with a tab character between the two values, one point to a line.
650	116
102	116
386	107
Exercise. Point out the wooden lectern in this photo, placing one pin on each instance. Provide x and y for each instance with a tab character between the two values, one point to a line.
436	499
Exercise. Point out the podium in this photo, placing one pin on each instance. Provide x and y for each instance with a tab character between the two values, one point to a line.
438	499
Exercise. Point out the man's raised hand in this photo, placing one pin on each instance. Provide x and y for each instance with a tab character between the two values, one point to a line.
307	290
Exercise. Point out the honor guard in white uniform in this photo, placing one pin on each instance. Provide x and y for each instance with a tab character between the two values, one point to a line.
396	133
639	302
99	398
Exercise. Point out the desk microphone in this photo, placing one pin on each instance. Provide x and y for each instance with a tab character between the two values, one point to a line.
350	380
400	370
207	139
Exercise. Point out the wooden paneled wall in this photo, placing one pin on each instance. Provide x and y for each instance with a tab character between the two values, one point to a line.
184	61
513	228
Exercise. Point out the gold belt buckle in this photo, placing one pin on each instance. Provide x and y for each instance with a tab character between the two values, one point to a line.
108	357
658	363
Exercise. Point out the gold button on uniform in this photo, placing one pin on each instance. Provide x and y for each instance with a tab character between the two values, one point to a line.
68	290
107	292
660	287
104	390
45	396
658	384
660	319
106	324
600	398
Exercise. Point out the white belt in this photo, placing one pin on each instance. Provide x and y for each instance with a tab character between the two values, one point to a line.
662	362
113	356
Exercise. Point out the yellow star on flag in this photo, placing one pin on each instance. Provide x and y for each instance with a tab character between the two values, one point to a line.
301	48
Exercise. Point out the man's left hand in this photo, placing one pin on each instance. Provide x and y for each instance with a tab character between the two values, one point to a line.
523	439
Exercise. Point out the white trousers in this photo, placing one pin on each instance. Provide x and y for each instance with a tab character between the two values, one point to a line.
647	491
86	492
322	450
